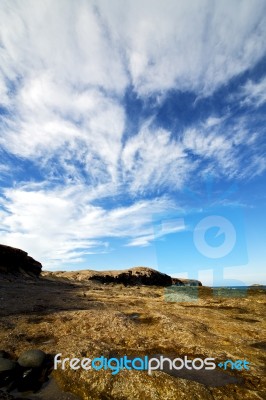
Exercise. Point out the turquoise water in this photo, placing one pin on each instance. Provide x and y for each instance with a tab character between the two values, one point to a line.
240	287
191	293
234	291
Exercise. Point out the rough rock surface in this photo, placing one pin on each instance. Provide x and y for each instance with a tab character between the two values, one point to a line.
16	261
186	282
89	319
134	276
129	277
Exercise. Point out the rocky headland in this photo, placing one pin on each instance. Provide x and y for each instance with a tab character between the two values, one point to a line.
128	277
115	313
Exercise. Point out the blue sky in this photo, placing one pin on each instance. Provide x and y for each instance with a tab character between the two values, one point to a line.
123	124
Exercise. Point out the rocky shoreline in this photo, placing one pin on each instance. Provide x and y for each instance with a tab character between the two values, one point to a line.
67	313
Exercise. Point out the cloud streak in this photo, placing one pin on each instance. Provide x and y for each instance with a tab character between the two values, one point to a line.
60	226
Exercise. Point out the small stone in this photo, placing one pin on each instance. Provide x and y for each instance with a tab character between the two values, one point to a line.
6	365
31	359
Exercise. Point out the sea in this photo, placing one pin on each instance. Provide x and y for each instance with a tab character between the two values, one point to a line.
191	293
234	291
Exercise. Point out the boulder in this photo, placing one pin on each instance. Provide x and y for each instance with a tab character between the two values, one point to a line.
32	358
16	261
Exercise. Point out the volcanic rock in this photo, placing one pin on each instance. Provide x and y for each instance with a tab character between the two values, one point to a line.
133	276
16	261
185	282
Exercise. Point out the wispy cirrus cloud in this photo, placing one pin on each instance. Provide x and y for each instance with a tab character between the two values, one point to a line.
254	93
152	159
61	226
193	46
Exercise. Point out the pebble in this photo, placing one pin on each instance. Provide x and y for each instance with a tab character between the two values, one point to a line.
31	359
27	374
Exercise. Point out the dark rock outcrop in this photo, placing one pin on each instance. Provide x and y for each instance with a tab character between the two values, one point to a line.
15	261
185	282
133	276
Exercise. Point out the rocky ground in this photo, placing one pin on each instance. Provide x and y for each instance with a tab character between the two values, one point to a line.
136	312
80	317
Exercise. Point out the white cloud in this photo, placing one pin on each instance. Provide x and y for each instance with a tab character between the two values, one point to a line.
213	121
69	76
50	118
194	46
63	37
152	159
224	148
166	228
61	225
65	77
254	93
4	97
65	69
213	147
